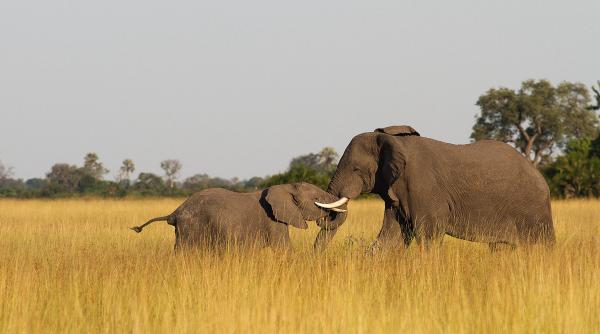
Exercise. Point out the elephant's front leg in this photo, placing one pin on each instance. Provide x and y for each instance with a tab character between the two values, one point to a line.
394	232
279	238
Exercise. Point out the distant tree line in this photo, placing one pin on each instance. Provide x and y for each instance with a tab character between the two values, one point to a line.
65	180
554	127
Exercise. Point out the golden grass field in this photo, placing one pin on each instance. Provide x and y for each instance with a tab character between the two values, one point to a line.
74	266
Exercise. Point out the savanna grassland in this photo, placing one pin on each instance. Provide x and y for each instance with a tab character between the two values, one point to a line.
73	266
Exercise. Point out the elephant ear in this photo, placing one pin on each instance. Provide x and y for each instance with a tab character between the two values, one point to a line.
393	163
285	206
399	130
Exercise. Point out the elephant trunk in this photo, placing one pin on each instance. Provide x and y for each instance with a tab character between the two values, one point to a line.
345	185
333	221
328	230
323	239
341	186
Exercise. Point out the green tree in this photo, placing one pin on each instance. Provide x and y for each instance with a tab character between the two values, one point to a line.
596	96
595	147
254	183
8	186
299	173
537	119
315	168
150	184
93	167
329	158
576	173
204	181
64	178
323	162
13	188
36	183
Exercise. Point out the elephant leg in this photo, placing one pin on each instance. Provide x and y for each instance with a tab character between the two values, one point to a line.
392	232
430	231
280	239
533	229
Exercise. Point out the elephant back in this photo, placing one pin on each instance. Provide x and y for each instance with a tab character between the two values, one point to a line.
398	130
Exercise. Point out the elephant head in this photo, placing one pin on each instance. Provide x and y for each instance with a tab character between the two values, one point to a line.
371	163
294	204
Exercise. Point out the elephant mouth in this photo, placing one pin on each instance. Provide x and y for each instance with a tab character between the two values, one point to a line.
329	222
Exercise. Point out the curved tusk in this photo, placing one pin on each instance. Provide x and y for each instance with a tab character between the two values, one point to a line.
338	210
335	204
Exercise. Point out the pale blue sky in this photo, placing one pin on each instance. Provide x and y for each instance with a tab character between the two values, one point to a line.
238	88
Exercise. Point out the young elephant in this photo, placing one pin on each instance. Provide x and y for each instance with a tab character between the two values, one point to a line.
213	217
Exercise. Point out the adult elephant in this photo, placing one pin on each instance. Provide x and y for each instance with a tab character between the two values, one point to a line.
484	191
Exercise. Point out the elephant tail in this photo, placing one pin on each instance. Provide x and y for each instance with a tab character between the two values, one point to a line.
168	218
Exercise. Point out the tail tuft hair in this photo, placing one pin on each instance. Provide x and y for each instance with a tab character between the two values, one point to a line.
136	229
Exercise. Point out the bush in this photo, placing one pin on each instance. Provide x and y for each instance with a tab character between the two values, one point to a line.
576	173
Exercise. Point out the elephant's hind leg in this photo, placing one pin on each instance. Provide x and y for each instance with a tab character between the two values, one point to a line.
430	231
536	230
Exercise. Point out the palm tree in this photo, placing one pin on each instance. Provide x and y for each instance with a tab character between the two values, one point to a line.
126	169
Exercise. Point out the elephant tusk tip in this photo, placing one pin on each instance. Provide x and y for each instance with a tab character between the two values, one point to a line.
339	210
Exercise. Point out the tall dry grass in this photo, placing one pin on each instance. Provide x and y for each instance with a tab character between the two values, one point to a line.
73	266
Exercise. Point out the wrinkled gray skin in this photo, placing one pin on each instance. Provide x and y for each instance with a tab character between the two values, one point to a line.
484	191
214	217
